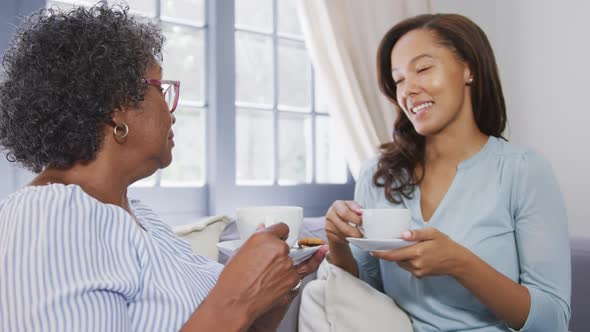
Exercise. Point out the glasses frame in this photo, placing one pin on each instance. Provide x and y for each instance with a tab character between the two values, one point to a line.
175	84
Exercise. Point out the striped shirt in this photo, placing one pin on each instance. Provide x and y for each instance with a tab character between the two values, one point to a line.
71	263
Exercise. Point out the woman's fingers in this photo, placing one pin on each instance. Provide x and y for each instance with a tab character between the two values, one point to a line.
343	220
311	265
349	211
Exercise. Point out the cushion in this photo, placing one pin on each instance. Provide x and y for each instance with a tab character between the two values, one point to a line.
580	320
202	234
338	301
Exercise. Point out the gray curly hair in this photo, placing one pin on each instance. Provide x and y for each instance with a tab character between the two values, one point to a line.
64	74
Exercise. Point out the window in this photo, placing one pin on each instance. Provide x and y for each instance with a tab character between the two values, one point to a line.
282	127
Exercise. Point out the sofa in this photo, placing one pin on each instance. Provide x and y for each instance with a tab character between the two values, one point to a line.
204	233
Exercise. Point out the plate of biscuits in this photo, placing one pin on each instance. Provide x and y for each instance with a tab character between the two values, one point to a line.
303	250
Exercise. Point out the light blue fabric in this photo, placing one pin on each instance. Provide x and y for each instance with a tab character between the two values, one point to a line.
71	263
506	207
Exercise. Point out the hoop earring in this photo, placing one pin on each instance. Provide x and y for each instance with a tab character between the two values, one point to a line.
121	127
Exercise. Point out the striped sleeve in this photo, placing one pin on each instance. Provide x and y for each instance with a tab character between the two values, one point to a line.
68	263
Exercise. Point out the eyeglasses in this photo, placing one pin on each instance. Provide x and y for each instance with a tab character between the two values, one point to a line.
170	91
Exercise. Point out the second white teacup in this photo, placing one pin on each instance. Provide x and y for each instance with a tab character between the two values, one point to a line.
385	223
249	218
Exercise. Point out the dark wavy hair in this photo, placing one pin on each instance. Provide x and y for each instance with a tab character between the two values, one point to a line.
64	74
400	158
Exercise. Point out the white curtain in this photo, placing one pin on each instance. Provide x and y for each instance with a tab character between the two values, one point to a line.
342	37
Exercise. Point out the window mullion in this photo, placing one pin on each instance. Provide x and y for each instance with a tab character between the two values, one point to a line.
276	92
313	126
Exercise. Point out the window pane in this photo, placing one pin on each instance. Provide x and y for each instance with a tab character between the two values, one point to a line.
147	182
191	11
288	19
254	147
69	4
184	60
142	7
254	14
294	74
294	148
254	81
330	163
321	94
188	164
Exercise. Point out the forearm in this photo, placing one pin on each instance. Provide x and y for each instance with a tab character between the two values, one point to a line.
219	313
507	299
341	256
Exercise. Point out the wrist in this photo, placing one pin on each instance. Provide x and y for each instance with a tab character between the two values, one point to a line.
237	314
465	263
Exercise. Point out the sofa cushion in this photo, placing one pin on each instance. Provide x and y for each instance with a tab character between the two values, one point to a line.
580	320
202	234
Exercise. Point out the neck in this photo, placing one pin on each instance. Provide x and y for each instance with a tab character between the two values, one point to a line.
454	146
102	178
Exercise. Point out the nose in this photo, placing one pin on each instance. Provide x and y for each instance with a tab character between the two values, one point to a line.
409	88
173	117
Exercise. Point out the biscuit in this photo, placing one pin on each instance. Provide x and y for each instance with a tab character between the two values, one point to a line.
309	242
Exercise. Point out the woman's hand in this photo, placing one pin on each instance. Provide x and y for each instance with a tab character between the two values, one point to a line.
312	264
270	320
434	254
339	218
261	272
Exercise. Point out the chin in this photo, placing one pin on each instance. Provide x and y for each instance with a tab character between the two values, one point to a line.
424	130
165	163
429	128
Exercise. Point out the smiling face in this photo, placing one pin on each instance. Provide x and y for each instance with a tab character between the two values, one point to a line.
431	83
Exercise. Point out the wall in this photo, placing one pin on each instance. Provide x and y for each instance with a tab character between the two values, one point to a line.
544	60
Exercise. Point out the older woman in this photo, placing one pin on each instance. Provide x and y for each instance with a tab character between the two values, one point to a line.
84	104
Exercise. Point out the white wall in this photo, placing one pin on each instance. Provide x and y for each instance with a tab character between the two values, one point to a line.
544	57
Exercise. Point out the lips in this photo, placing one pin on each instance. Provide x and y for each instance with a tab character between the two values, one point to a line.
420	106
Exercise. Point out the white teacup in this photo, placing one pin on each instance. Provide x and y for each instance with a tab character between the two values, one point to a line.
249	218
385	223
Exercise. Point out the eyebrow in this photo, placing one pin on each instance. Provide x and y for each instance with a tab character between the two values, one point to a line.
416	58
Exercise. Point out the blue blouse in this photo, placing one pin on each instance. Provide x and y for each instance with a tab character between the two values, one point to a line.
505	206
71	263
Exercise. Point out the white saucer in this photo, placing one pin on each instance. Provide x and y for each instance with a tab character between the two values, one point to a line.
298	255
379	244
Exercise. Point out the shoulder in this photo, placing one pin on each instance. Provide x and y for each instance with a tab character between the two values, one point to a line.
69	237
523	160
147	215
368	169
65	218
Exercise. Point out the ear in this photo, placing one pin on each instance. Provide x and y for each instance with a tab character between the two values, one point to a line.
120	114
467	75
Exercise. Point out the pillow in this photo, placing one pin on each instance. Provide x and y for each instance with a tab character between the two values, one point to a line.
338	301
202	234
